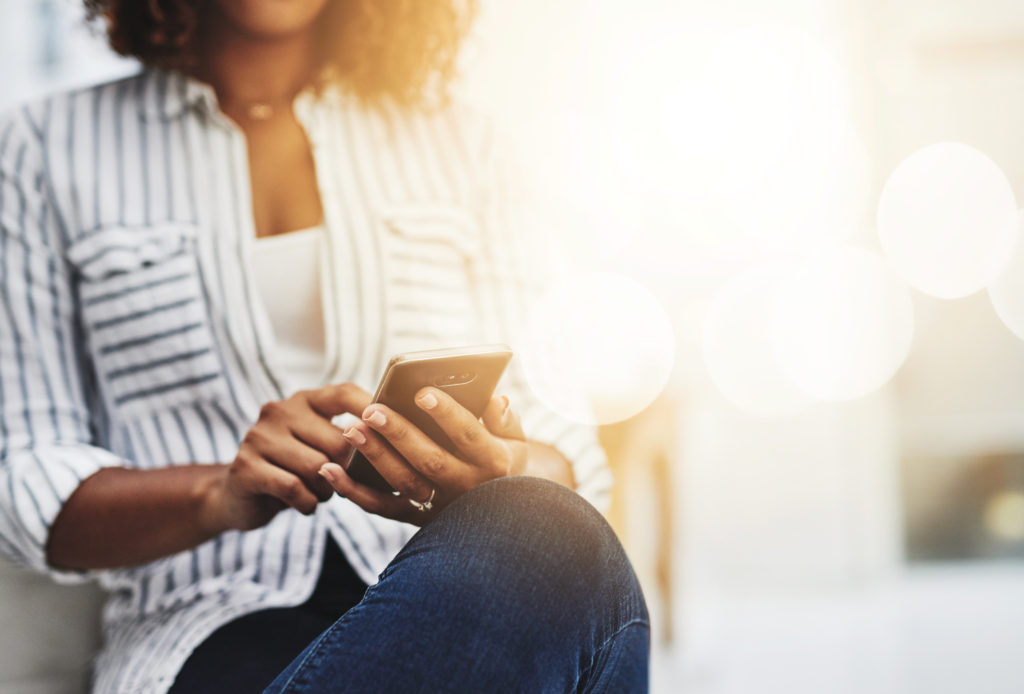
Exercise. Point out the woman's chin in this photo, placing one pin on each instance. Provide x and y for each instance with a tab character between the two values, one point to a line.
269	19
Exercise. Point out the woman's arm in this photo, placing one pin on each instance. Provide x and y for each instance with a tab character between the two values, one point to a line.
46	446
120	517
547	462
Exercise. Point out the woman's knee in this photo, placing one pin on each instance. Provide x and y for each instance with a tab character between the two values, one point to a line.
526	518
531	518
518	581
529	544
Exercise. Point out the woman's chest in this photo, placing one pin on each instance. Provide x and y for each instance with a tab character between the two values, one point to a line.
282	175
170	307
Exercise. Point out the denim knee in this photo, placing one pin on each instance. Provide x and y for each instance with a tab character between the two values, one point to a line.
519	585
531	546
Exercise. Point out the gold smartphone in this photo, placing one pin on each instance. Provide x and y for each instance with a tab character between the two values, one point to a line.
467	374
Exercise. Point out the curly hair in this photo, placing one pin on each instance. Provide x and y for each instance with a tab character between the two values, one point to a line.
399	50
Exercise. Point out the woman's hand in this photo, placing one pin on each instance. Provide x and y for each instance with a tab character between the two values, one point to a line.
422	471
277	461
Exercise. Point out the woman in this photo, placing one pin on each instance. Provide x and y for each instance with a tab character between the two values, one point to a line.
204	265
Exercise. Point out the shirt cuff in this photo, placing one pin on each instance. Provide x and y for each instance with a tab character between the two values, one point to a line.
35	486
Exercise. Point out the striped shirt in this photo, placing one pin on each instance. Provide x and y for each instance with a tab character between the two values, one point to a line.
131	331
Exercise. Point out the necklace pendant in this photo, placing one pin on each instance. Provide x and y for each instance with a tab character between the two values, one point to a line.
260	111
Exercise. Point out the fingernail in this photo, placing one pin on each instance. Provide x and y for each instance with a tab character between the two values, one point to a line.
504	407
427	401
355	436
326	473
375	418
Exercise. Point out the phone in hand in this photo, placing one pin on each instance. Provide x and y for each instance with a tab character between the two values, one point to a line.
468	374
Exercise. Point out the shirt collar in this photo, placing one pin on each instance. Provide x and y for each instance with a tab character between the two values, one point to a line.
171	94
168	95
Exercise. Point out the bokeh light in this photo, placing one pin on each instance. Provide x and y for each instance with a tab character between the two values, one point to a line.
738	349
947	220
843	324
1007	292
1004	515
598	347
703	133
764	129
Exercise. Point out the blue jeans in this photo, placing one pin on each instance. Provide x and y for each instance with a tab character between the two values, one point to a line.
518	586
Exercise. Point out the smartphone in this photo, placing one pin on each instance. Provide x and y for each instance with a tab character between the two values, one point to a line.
467	374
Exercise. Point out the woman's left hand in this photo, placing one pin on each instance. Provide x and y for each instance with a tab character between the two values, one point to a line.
422	471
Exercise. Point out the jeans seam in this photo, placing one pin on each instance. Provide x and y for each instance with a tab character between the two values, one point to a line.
586	671
294	679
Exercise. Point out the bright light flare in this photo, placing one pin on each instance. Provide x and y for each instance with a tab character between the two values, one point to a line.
717	134
947	220
1007	292
738	349
843	324
762	95
598	348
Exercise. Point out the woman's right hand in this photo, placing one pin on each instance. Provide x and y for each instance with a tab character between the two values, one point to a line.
277	461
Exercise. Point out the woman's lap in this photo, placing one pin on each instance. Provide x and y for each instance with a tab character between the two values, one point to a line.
246	654
519	585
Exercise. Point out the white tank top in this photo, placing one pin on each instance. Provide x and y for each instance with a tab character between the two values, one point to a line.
288	273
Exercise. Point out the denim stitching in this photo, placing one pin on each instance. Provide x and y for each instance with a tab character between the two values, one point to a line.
586	671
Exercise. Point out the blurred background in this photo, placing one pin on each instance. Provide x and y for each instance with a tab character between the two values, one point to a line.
791	229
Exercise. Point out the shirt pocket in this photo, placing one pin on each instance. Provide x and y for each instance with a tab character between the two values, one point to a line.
431	250
145	318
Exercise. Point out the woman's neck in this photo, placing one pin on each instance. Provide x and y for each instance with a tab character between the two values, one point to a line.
245	70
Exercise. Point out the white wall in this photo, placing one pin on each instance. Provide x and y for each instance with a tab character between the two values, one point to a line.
38	61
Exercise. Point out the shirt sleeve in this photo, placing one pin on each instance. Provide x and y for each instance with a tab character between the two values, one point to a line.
46	440
517	263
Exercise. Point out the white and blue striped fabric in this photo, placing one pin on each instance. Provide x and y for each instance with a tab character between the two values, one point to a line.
131	333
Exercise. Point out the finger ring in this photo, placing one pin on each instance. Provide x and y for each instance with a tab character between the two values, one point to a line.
424	505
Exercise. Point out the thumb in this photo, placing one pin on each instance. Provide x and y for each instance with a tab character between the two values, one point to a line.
501	420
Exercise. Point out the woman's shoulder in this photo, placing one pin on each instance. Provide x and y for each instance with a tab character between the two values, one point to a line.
452	129
147	92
